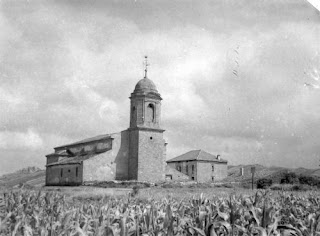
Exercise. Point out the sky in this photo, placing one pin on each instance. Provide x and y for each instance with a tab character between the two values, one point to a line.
239	78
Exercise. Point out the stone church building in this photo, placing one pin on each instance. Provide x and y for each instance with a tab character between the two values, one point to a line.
137	153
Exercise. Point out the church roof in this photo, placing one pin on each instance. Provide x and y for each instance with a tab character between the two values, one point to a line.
68	158
197	155
72	160
88	140
145	85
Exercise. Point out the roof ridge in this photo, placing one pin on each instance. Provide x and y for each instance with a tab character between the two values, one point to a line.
198	154
87	140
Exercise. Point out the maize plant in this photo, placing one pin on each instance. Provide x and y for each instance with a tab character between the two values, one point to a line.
48	213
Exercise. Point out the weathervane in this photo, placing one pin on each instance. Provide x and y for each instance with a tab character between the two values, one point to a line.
146	64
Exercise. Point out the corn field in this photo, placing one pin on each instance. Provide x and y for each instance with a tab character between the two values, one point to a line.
264	213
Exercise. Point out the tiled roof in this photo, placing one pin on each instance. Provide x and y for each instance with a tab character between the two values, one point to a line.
197	155
62	153
73	160
88	140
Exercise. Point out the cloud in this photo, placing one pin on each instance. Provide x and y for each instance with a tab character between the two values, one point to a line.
20	140
68	69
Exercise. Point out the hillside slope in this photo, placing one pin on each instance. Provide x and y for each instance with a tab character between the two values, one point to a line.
272	172
31	175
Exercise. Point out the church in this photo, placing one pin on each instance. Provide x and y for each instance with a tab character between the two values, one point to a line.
137	153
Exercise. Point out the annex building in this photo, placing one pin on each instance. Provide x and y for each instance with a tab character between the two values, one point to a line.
137	153
200	166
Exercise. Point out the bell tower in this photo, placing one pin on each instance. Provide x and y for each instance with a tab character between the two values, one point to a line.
146	145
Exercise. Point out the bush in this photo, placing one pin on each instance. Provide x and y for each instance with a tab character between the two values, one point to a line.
289	178
171	185
135	190
301	187
264	183
25	186
291	187
309	180
276	187
227	185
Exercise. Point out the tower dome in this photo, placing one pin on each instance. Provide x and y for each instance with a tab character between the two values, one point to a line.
145	85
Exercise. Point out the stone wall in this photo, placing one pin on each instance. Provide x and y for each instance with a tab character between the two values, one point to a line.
70	174
133	154
188	168
172	165
151	162
139	112
173	175
220	171
52	159
203	171
155	121
207	173
110	165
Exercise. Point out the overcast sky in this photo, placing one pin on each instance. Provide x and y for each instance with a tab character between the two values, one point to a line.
232	76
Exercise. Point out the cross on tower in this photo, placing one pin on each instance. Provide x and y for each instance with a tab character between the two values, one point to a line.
146	64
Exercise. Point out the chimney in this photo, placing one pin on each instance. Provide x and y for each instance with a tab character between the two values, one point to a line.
218	157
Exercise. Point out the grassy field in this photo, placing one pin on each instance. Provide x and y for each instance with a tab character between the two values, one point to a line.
28	208
158	211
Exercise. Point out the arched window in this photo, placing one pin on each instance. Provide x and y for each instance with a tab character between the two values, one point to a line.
150	113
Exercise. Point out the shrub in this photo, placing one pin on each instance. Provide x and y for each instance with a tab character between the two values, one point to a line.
276	187
227	185
246	185
289	178
25	186
309	180
135	190
171	185
291	187
264	183
301	187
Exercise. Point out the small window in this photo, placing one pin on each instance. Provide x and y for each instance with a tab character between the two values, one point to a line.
179	168
192	178
212	178
69	171
150	138
168	177
77	172
61	172
212	168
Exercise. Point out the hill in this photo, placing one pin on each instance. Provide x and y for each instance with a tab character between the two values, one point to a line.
272	172
33	176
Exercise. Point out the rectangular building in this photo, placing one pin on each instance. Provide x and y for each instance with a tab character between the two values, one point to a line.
200	166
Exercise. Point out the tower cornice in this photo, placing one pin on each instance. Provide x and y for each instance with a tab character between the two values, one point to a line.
148	95
146	129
